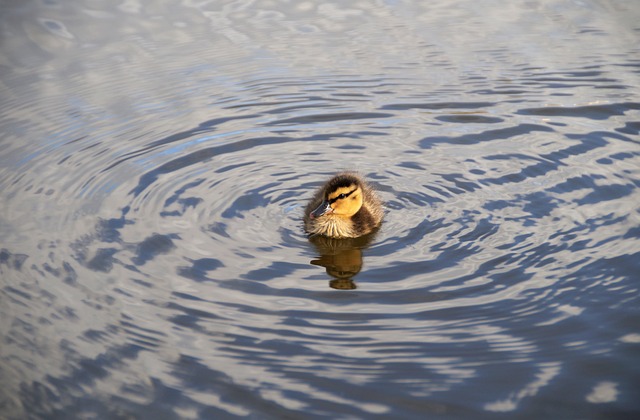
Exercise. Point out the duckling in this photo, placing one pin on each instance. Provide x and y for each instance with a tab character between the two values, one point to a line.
345	207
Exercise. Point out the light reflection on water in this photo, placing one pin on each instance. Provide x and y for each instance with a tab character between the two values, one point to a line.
156	160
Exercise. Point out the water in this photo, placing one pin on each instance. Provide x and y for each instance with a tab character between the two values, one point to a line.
156	157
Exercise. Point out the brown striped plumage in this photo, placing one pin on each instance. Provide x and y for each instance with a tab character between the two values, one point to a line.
345	207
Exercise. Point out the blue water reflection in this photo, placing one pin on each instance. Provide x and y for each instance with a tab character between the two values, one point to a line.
156	159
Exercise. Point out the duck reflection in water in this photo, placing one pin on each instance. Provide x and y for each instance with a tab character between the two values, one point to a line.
342	258
342	218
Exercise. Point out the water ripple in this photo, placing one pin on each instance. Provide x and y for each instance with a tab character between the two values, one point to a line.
154	261
594	112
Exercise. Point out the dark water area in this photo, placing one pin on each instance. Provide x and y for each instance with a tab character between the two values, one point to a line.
156	158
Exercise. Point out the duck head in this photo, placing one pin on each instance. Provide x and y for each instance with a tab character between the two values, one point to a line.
342	197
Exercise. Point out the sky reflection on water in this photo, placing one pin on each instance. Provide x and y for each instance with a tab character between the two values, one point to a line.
156	159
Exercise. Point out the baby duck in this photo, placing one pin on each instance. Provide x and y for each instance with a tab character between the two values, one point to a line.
345	207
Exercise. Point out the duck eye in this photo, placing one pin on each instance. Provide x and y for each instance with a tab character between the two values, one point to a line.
341	196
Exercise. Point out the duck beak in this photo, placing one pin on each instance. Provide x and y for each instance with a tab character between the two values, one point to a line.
324	208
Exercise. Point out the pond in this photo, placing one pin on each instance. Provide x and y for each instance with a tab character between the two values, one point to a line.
156	159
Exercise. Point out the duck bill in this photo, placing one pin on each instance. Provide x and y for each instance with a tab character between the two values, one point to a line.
324	208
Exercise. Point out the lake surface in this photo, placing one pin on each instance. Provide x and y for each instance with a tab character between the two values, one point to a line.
156	158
